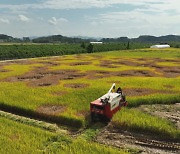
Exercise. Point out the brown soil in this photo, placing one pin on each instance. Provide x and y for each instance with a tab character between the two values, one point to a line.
144	73
60	93
23	62
170	112
49	63
143	91
173	71
128	63
98	74
4	70
170	60
43	77
79	63
166	71
76	85
143	143
14	137
107	64
51	109
169	86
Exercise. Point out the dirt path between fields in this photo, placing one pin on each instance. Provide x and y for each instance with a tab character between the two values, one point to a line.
129	140
169	112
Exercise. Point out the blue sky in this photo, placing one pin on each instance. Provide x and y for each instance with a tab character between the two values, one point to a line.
95	18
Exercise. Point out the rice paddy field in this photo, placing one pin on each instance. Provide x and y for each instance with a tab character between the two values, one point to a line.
60	89
19	138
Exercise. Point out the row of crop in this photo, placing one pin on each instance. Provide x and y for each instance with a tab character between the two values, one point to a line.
29	121
62	120
20	138
135	120
27	51
41	50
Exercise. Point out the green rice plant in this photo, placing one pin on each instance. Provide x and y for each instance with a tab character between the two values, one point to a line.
62	144
135	120
154	99
21	98
15	70
19	138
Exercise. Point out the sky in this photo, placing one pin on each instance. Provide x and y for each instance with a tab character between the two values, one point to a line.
93	18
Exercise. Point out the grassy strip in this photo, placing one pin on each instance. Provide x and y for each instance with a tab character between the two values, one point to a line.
154	99
32	122
19	138
135	120
62	120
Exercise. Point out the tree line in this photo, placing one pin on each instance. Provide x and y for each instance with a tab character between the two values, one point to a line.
18	51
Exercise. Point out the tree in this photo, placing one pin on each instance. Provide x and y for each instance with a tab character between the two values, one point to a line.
83	45
128	45
90	48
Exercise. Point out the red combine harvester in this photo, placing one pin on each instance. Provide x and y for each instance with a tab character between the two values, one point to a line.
107	105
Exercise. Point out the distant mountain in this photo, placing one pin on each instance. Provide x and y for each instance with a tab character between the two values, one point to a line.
60	39
88	38
80	39
145	39
6	38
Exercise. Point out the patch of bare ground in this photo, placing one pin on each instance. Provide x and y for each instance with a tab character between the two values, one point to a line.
49	63
21	62
14	137
171	60
41	76
127	63
60	93
51	109
76	85
107	64
144	73
3	70
146	144
79	63
144	91
170	72
169	86
170	112
97	74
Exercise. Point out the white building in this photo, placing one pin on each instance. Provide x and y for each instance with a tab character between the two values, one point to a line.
160	46
96	42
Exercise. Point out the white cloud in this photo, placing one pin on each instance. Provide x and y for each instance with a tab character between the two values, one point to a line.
82	4
23	18
5	21
135	23
94	23
55	21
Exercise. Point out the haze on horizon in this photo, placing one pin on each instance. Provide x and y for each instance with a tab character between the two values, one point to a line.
96	18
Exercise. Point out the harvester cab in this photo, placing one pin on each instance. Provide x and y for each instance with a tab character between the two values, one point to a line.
107	105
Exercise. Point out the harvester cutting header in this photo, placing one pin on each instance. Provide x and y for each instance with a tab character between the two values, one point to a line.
107	105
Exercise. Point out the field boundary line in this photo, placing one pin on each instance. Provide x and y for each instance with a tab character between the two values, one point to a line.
33	122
